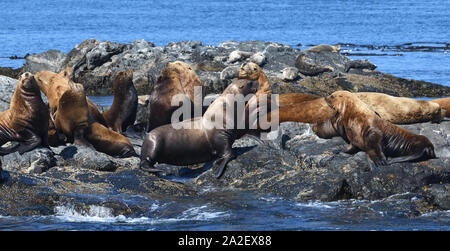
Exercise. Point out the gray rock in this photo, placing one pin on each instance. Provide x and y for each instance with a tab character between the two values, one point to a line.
36	161
7	87
76	156
52	60
96	63
230	72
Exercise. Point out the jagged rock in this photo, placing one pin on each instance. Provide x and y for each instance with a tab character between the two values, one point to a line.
36	161
7	87
303	167
229	73
97	62
52	60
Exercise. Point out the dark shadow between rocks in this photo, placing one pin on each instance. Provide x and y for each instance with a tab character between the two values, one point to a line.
68	152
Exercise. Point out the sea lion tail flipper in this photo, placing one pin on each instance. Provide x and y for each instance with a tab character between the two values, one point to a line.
427	153
352	149
147	165
220	168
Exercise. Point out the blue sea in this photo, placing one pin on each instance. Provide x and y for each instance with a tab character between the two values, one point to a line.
382	30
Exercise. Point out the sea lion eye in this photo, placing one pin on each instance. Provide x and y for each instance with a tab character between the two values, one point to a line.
331	96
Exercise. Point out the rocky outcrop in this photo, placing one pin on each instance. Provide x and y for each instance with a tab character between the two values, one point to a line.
51	60
96	63
296	166
303	167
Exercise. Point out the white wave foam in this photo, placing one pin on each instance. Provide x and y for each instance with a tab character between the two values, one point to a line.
68	213
315	204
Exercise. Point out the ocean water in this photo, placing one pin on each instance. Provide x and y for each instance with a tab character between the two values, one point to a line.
383	31
29	26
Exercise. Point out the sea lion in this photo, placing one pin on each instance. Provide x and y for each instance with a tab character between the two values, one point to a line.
445	105
26	120
73	119
397	110
122	112
400	110
72	116
108	141
360	64
325	47
308	109
176	78
196	140
53	85
306	67
252	71
365	131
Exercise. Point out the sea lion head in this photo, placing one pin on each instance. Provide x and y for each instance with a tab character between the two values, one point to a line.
66	73
249	71
28	84
339	100
124	76
242	86
122	81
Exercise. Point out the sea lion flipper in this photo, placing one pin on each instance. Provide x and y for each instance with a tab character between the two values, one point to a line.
30	144
427	152
352	149
220	168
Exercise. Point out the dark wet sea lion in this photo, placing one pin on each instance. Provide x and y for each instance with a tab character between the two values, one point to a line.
196	140
305	67
176	78
122	112
26	120
359	64
365	131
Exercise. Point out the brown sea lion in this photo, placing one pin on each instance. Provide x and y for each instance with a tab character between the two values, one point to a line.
108	141
445	105
365	131
312	110
72	116
53	85
122	112
176	78
325	47
196	140
400	110
397	110
252	71
26	120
